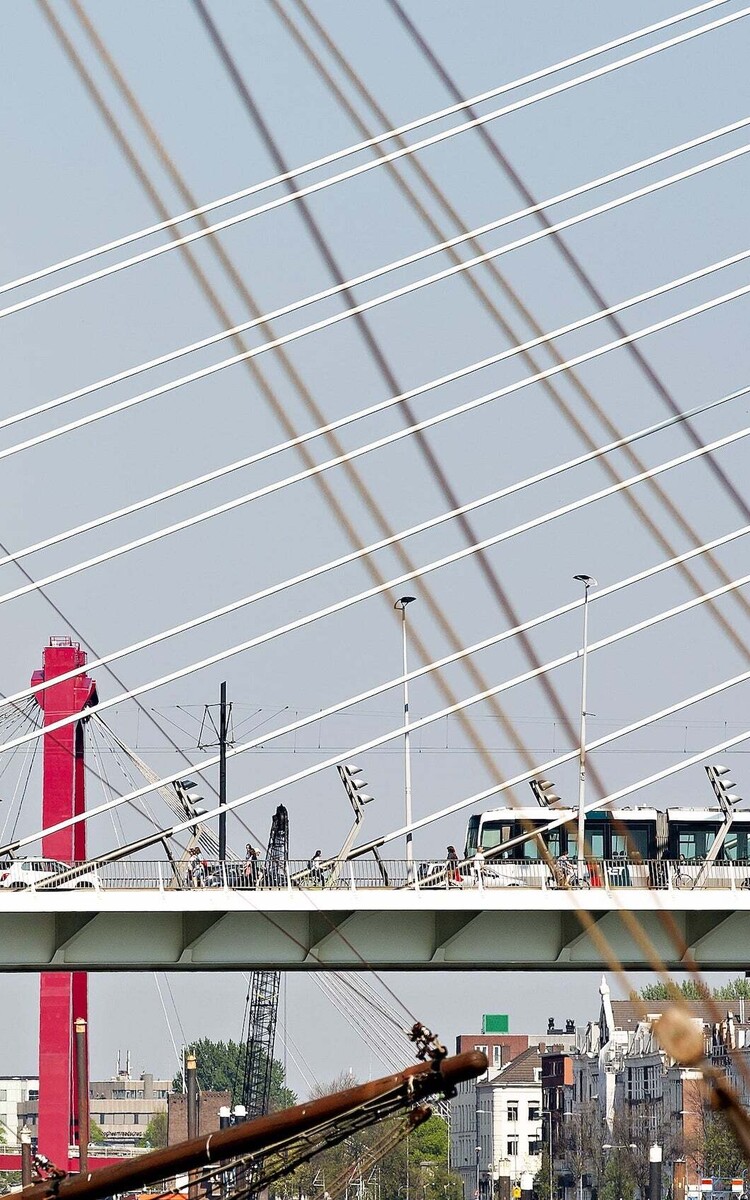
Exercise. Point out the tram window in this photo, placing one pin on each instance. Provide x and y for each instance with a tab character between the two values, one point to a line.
632	844
494	833
695	842
736	847
472	835
595	843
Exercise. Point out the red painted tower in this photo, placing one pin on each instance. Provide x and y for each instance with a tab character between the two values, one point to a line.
62	996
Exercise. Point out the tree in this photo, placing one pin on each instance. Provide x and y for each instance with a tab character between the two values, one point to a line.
617	1181
543	1178
416	1166
96	1134
719	1150
220	1067
8	1179
689	989
696	989
155	1135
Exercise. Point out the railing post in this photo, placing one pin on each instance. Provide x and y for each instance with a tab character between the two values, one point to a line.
352	886
288	874
160	877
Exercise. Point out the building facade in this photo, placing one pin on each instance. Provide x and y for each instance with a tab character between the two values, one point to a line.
15	1090
497	1121
122	1107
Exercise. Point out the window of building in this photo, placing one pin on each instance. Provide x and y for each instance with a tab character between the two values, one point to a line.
512	1110
535	1113
3	1093
512	1147
497	1056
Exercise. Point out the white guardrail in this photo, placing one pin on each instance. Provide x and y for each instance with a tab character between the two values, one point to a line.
361	873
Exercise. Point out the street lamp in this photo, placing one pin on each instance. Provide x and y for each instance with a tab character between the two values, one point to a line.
478	1112
401	604
588	582
573	1116
546	1112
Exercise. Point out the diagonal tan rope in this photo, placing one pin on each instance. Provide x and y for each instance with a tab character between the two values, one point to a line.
290	370
471	281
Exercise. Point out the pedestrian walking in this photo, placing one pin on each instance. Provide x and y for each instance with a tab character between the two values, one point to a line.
454	875
196	871
315	867
250	866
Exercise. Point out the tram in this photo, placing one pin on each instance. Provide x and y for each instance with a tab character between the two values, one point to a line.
625	846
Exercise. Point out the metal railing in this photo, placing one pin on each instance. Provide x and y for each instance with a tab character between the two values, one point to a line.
367	873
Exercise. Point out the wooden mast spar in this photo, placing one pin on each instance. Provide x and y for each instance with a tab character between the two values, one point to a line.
306	1127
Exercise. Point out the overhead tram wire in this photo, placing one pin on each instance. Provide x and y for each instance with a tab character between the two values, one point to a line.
248	355
445	244
170	222
390	439
422	722
280	410
472	282
568	255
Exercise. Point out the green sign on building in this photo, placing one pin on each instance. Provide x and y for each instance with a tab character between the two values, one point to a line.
495	1023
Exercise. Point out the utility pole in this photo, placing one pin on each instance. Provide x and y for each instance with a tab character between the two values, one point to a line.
223	772
221	736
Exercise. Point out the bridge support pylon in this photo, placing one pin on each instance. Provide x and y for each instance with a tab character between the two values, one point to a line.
63	996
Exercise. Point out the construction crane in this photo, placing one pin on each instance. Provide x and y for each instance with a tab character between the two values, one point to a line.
253	1084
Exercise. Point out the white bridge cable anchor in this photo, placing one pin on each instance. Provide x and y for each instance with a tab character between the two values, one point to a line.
376	141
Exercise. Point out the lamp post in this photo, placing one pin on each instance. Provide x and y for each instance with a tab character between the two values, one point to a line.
588	582
402	604
579	1118
547	1112
478	1112
654	1171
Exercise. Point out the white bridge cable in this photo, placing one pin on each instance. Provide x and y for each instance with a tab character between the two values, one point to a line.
378	444
422	722
361	414
376	141
369	276
352	556
494	789
368	305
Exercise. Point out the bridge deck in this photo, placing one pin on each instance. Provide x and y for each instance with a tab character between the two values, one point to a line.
399	929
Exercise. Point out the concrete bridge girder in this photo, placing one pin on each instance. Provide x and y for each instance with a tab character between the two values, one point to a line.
400	930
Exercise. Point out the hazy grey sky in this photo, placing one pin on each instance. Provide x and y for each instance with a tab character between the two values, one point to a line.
68	187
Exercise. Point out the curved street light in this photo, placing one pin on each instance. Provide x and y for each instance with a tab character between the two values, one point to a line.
401	605
588	582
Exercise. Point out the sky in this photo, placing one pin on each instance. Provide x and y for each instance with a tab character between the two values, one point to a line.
69	188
